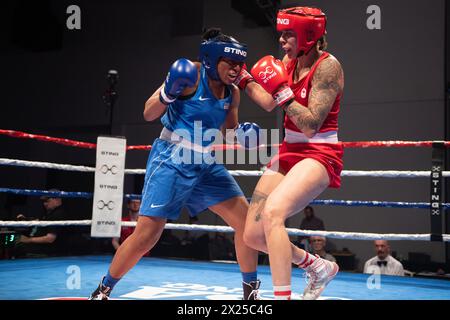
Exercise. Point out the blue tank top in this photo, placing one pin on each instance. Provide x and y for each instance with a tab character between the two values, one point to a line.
194	116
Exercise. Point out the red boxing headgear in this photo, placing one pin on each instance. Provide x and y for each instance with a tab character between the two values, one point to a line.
309	24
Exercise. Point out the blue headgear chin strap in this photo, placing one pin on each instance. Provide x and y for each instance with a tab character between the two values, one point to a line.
213	49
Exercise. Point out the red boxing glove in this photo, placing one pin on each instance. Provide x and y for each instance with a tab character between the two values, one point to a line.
271	74
243	78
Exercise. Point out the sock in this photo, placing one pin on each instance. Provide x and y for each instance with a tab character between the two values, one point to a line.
307	261
282	292
109	281
247	277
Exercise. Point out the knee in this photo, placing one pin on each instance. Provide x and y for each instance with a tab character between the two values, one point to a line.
249	238
254	240
273	217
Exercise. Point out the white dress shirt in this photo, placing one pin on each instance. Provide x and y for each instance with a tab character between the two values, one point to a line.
388	266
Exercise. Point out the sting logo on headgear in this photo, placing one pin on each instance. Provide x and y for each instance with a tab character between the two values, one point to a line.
309	25
282	21
221	46
235	51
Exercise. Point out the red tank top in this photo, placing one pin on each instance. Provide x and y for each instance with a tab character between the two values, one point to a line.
301	91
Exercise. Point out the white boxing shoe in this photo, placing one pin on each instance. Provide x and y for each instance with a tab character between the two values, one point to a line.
319	274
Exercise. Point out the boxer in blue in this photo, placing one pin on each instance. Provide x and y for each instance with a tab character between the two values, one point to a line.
196	99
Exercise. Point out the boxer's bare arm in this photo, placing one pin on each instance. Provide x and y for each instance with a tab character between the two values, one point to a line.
154	108
260	96
231	121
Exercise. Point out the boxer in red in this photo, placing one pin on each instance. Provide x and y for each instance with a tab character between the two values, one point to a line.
307	84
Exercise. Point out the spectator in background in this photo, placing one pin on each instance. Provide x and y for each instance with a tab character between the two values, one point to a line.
318	244
133	206
383	261
44	241
187	241
309	222
221	248
169	245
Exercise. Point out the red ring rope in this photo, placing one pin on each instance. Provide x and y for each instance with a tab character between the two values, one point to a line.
87	145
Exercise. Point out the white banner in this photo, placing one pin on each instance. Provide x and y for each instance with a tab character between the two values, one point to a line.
108	190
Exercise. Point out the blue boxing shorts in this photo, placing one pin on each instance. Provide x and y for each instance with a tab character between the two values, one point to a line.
170	185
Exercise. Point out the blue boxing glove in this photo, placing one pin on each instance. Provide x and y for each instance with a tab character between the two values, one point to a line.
182	74
247	134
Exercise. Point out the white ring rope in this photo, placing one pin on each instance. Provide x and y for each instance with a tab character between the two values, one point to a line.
44	165
226	229
248	173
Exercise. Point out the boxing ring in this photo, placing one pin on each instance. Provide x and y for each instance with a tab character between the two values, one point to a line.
173	279
169	279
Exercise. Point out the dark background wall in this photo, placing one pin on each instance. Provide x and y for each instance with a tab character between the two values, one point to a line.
54	78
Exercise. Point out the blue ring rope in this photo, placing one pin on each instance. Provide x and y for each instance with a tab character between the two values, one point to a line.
345	203
59	194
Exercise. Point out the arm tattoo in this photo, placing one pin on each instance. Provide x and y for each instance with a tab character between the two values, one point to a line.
298	114
327	83
258	201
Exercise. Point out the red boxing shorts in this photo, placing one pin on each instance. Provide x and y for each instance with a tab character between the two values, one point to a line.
328	154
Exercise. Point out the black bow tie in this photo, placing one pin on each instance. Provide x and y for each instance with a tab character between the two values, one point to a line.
382	263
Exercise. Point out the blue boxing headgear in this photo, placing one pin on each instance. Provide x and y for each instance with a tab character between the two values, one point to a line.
213	49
